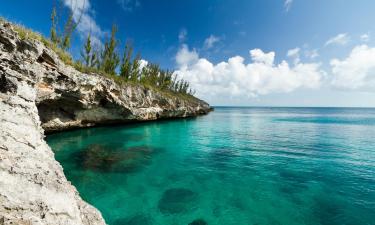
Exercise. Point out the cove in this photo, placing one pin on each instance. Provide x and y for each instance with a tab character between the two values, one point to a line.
233	166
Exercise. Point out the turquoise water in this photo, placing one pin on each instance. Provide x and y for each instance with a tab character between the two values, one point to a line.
234	166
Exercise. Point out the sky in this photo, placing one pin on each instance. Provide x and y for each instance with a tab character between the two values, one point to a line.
243	52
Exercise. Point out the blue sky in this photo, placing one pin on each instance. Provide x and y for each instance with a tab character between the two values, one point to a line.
309	53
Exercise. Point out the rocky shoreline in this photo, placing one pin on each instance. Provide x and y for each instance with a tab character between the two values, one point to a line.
38	94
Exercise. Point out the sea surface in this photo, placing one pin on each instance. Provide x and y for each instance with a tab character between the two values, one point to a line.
235	166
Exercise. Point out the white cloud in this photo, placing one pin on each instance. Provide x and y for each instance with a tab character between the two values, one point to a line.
365	37
142	63
234	77
82	14
288	4
182	35
185	57
294	54
258	56
340	39
129	5
357	71
210	41
312	54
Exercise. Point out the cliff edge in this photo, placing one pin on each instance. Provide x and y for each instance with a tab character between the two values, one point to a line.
39	93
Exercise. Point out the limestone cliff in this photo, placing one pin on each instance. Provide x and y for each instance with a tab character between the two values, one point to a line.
38	93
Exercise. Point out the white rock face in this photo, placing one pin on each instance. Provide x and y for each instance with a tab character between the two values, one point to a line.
33	187
39	93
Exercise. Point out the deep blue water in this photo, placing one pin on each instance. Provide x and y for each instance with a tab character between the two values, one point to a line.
235	166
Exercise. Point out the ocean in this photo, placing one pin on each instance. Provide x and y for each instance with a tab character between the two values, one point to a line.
234	166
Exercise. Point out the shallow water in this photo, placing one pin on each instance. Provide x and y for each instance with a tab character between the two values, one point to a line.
233	166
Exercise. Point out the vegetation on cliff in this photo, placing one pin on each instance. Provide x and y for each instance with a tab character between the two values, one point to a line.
106	60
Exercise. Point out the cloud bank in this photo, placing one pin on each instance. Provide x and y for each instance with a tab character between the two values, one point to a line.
235	77
357	71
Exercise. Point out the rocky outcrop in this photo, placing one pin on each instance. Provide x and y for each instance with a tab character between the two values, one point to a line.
67	99
38	93
71	99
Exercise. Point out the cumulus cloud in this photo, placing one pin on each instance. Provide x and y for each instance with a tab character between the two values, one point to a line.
288	4
357	71
185	57
340	39
82	14
234	77
211	41
258	56
365	37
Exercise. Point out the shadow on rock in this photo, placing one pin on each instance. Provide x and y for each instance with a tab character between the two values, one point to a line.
103	158
177	200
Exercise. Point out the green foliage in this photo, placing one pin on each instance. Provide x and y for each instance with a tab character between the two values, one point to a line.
109	57
135	69
53	32
70	26
153	75
89	55
107	61
63	39
126	65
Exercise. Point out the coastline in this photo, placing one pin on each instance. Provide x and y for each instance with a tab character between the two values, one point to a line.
38	94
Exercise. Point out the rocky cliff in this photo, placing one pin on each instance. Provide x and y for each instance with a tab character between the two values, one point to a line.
38	93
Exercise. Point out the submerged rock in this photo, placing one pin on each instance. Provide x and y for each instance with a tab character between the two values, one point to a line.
103	158
198	222
177	200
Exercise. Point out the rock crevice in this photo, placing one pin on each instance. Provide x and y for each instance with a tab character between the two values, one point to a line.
38	94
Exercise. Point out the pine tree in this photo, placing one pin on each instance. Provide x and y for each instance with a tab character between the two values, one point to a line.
126	65
135	70
144	74
109	57
70	26
87	52
94	62
53	32
89	55
63	39
153	74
